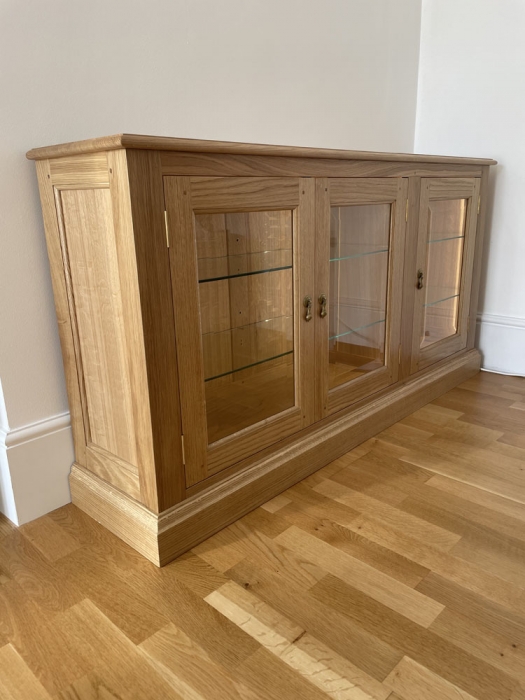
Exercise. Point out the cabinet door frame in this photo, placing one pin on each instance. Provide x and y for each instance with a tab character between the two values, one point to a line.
359	191
443	189
184	197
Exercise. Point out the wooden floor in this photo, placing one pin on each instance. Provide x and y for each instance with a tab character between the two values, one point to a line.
397	572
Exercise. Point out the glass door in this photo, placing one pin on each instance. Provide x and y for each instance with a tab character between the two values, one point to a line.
447	230
241	254
359	267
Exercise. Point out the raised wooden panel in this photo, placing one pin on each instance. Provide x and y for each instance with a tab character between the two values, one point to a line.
241	193
88	170
57	254
363	191
93	263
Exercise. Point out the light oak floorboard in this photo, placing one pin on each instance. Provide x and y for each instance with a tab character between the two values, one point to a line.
304	654
436	536
16	680
415	682
395	572
365	578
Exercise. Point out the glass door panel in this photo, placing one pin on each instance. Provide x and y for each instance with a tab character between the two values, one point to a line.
359	249
446	236
359	264
241	255
247	322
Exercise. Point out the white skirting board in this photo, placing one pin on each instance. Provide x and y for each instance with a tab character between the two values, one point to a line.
501	341
35	462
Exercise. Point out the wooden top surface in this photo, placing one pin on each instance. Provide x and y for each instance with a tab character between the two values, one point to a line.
164	143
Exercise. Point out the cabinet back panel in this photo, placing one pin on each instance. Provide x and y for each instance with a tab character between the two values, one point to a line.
93	263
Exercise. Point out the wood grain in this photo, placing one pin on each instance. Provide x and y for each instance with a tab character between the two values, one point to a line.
413	682
134	322
97	293
162	538
199	146
361	576
292	645
308	597
65	315
223	165
17	682
146	197
89	170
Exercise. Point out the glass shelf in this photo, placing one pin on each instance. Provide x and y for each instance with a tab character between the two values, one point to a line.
359	255
246	316
277	323
231	266
437	295
235	349
447	238
253	364
355	330
440	301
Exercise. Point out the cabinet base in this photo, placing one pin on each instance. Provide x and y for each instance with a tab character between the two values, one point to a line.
161	538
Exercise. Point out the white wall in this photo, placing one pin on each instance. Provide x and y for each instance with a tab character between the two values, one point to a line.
471	101
338	73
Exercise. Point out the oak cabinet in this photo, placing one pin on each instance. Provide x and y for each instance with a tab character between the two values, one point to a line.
235	316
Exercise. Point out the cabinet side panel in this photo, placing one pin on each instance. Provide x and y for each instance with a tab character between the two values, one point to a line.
57	266
93	264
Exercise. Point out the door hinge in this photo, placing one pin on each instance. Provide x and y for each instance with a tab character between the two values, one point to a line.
183	451
399	354
468	323
166	227
479	204
406	211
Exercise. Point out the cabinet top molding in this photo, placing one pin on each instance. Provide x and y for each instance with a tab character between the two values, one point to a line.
165	143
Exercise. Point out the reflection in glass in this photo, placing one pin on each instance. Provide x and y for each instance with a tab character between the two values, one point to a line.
359	248
446	236
246	306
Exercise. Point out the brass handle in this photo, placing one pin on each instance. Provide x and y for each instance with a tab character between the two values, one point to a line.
307	301
420	279
322	300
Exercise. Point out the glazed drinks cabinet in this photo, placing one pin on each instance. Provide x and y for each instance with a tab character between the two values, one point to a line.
235	316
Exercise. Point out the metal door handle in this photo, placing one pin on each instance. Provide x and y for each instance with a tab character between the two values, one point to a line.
420	277
322	301
307	302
